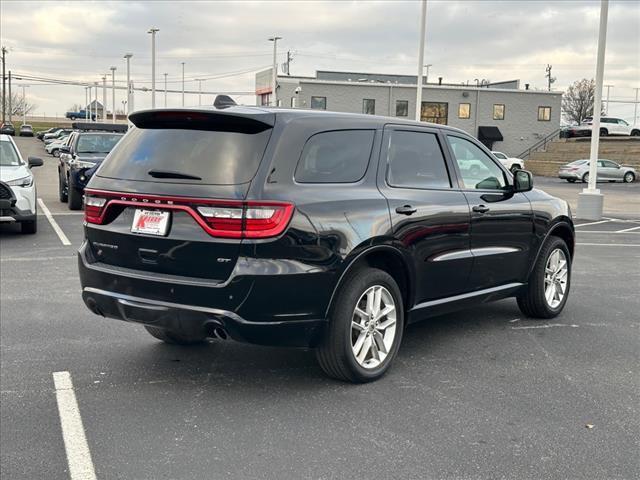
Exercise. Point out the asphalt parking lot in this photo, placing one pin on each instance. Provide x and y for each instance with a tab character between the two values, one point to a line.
482	393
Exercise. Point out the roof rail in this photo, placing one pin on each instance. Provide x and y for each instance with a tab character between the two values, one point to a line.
100	127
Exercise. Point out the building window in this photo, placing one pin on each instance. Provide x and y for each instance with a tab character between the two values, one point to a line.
265	99
544	114
434	112
464	110
402	108
318	103
369	106
498	111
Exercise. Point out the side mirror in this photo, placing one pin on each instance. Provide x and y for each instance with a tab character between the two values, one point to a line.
65	149
35	162
522	181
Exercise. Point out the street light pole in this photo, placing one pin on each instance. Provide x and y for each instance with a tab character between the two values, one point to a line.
87	106
423	26
182	84
274	72
199	93
590	200
24	105
153	32
128	57
104	98
165	90
113	93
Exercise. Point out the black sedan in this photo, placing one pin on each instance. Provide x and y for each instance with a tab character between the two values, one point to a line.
7	128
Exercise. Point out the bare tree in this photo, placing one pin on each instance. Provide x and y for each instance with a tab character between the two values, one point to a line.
76	107
577	101
20	105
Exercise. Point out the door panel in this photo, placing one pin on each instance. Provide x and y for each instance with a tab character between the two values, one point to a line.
501	221
429	217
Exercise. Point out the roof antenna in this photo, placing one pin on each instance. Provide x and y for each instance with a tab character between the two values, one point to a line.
224	101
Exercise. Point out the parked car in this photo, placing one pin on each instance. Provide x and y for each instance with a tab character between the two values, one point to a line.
83	152
53	148
79	115
312	228
17	187
26	130
7	128
51	137
608	170
511	163
608	126
40	135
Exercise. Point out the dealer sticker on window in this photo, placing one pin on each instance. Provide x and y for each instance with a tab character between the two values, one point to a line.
150	222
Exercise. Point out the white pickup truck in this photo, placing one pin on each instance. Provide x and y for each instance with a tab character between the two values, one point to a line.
511	163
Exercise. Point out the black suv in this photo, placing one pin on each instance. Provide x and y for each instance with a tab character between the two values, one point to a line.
313	229
78	161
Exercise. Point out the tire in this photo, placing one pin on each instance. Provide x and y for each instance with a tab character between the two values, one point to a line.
533	301
29	227
629	177
571	180
75	198
173	338
72	118
635	133
63	193
335	353
514	168
55	152
585	178
604	132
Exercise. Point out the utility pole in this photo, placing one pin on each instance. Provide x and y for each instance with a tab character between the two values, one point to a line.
423	27
635	108
153	32
113	94
182	84
274	73
606	110
199	92
104	98
95	103
4	86
24	105
165	90
128	57
590	200
86	103
287	64
10	106
550	79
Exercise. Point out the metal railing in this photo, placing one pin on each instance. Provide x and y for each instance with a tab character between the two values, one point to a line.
540	144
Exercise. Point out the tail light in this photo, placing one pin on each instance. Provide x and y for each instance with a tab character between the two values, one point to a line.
219	218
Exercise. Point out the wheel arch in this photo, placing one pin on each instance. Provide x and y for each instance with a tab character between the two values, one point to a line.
563	229
384	257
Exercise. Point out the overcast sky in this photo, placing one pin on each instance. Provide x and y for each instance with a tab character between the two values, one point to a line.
496	40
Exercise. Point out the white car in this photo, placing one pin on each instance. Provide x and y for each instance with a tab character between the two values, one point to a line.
53	148
17	187
511	163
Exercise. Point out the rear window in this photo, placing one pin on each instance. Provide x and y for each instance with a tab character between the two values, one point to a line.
340	156
96	143
207	157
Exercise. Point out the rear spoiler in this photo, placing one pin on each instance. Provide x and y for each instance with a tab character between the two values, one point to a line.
241	120
100	127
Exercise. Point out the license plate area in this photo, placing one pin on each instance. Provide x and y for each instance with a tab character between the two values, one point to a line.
151	222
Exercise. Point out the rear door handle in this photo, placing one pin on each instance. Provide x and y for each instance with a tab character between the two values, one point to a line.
480	209
406	210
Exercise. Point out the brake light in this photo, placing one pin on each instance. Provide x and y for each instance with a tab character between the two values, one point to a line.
219	218
93	208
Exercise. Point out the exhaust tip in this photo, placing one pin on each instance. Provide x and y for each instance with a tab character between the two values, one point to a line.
214	329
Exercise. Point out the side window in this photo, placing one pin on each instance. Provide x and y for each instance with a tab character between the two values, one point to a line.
477	169
341	156
415	160
622	122
609	164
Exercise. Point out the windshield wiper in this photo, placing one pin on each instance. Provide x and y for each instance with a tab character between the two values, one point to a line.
170	174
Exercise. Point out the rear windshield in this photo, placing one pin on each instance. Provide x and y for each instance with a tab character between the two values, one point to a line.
97	143
207	157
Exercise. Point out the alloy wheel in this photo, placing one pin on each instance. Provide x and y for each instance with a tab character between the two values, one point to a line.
373	327
629	177
556	274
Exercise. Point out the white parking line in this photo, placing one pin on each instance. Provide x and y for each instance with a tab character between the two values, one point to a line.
609	244
592	223
54	224
75	440
628	229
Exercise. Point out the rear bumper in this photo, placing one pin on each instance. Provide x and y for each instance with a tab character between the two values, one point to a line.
249	309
